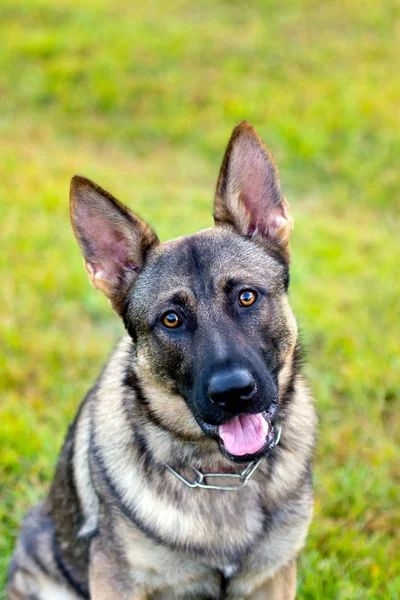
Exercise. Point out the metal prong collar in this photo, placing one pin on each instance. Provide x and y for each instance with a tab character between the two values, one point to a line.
241	478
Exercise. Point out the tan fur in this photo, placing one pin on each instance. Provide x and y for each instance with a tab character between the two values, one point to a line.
281	587
101	586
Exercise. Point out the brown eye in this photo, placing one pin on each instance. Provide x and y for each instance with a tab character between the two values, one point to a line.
247	298
171	320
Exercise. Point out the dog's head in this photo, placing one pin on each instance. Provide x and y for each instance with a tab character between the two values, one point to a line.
208	313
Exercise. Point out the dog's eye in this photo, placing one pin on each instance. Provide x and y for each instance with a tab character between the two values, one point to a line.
247	298
171	320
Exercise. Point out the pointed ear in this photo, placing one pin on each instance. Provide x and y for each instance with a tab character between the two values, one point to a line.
113	240
248	194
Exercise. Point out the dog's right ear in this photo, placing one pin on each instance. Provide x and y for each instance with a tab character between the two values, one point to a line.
114	241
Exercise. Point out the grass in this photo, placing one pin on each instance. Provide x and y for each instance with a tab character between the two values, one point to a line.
142	99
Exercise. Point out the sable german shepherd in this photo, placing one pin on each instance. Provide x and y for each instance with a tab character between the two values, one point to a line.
191	402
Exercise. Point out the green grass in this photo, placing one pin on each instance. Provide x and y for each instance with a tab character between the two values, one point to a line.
142	97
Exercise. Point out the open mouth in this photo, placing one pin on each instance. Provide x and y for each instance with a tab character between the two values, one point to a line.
245	434
246	437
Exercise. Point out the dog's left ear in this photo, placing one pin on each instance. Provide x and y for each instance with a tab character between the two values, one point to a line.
114	241
248	194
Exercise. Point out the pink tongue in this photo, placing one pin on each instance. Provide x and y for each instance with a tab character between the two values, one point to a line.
244	434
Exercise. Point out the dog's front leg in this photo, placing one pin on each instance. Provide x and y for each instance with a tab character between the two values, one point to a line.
255	586
282	586
102	580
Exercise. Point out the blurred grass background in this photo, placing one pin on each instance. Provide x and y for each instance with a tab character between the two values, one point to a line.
142	98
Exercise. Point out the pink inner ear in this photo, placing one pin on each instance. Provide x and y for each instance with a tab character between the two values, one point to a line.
267	224
106	246
111	254
260	194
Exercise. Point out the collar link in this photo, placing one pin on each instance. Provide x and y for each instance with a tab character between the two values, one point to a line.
242	478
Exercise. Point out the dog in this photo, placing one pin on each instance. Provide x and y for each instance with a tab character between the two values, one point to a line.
187	470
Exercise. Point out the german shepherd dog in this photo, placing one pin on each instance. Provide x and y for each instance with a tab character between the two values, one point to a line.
173	482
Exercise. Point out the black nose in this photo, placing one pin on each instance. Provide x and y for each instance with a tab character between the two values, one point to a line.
231	388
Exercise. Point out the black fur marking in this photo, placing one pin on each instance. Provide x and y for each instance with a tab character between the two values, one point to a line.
181	300
198	278
66	513
286	277
268	519
131	381
223	182
223	587
148	462
142	444
76	586
38	561
299	356
158	423
127	321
